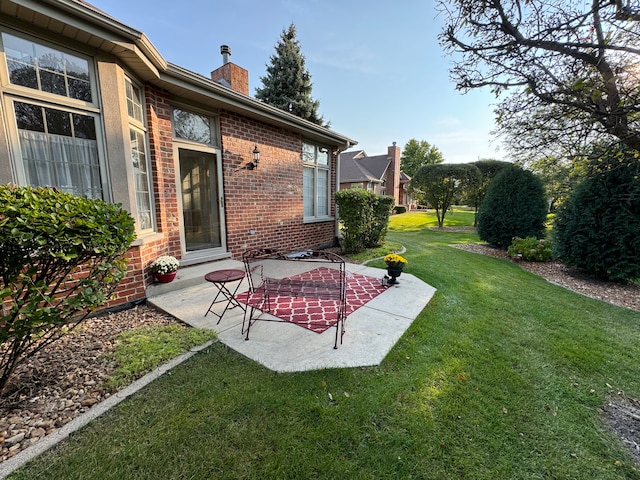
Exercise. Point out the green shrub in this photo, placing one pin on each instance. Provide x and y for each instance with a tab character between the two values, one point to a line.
399	209
379	223
61	256
364	217
514	206
530	249
598	228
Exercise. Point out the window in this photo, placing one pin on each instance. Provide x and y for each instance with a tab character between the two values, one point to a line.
46	69
315	180
139	157
58	149
55	137
194	127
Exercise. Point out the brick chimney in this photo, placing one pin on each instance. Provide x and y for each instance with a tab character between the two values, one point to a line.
393	176
231	75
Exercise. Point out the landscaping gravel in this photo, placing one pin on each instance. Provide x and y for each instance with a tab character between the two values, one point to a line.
65	379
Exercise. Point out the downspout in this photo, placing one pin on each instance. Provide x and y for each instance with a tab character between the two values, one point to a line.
337	223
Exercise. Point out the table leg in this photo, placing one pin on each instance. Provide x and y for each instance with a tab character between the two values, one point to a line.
228	296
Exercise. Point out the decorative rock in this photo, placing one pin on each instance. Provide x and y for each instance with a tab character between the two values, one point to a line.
37	432
89	402
9	442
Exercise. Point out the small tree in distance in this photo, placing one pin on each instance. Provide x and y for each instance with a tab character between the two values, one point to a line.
287	84
440	184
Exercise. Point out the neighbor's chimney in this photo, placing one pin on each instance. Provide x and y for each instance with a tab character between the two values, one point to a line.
393	179
231	75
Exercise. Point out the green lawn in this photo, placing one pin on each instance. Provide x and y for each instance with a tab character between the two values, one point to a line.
500	377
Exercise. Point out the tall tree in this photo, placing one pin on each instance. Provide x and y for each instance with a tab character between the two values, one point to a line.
571	68
287	84
417	154
514	206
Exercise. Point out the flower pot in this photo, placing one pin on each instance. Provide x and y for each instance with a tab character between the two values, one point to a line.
394	273
165	277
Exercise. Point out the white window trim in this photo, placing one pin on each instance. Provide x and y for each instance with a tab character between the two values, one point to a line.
214	125
316	168
36	94
141	127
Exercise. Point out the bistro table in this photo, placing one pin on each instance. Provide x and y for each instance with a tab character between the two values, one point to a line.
220	278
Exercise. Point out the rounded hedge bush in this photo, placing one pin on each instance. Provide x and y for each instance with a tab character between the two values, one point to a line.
514	206
598	228
61	256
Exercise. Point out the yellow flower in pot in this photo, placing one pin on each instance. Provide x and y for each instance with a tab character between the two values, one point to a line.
395	264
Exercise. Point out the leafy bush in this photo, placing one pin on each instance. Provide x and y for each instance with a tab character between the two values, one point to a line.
530	249
399	209
514	206
365	218
598	228
60	258
379	222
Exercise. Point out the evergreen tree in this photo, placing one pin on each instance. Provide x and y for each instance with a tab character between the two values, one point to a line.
597	229
287	84
514	206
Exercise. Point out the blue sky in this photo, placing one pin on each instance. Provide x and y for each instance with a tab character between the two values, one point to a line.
376	65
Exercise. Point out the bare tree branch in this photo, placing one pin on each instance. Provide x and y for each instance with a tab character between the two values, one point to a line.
578	66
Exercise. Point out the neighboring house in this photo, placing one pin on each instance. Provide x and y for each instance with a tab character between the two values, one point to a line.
89	106
379	174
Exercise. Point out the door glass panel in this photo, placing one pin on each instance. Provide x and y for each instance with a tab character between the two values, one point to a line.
200	209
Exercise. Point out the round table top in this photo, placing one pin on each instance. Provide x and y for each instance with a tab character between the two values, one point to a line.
222	276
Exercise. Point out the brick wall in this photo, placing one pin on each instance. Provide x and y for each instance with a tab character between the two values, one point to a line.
165	198
264	207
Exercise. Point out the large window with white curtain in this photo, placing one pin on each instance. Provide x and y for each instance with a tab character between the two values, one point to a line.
50	96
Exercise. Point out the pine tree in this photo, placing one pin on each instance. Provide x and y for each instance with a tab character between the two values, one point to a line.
287	84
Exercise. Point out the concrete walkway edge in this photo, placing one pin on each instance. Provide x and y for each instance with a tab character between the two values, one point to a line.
9	466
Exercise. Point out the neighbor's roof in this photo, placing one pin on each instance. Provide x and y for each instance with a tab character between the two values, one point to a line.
354	168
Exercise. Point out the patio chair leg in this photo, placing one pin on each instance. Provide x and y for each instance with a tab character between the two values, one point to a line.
248	322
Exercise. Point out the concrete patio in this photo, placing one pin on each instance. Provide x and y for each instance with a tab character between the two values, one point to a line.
371	331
